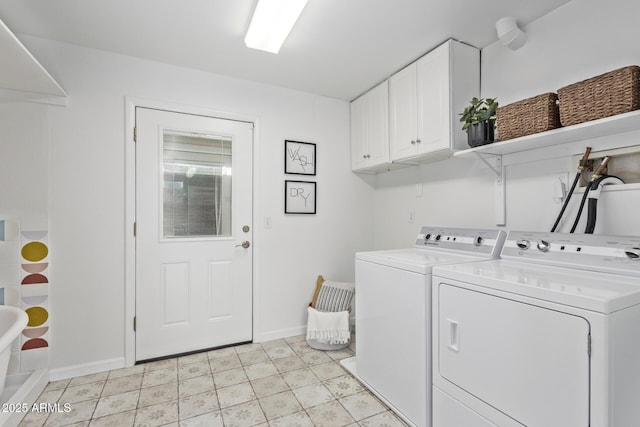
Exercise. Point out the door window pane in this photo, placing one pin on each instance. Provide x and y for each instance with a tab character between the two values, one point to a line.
196	196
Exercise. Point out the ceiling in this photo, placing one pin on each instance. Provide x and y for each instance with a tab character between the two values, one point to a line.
338	48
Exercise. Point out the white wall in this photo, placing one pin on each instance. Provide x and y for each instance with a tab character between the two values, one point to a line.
88	194
582	39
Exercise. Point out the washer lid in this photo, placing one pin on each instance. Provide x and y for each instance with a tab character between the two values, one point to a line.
417	260
600	292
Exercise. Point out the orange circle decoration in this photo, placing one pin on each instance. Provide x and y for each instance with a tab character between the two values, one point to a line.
35	279
35	251
35	343
37	316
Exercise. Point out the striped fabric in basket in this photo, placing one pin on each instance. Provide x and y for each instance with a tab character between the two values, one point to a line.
335	296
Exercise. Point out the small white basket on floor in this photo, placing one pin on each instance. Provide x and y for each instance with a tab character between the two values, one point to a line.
328	315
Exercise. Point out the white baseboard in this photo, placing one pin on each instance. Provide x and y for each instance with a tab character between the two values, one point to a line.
281	333
86	369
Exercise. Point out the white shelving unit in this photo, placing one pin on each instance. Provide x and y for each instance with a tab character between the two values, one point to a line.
602	134
22	77
573	139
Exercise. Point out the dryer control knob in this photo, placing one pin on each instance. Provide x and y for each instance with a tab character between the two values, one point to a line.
523	244
543	245
427	236
478	241
632	253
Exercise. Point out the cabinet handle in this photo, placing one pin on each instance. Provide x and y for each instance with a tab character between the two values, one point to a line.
413	142
364	156
418	141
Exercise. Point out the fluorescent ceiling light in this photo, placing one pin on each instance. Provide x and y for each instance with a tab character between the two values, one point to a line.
271	23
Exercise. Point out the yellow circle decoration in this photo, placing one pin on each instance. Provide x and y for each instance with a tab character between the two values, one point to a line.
37	316
35	251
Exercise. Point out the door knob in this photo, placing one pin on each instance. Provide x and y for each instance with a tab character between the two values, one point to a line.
244	244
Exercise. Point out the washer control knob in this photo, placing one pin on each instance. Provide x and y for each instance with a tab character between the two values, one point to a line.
427	236
523	244
632	253
438	237
543	245
478	241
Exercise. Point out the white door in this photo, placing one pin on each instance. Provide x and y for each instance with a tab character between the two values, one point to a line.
530	363
193	232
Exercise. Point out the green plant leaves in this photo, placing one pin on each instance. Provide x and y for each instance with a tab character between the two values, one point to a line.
481	110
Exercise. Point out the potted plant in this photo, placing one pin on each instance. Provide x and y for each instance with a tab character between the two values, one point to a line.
479	120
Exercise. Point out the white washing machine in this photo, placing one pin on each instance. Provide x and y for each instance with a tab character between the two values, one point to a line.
393	314
549	335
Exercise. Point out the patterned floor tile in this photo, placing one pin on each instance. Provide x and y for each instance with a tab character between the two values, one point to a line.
313	395
243	415
268	386
198	404
212	419
278	351
288	363
192	358
362	405
224	363
235	394
192	370
121	419
279	405
299	419
330	414
386	419
112	404
157	415
82	392
253	357
324	371
195	385
160	376
79	412
314	357
260	370
125	372
86	379
120	385
158	394
279	383
343	386
161	364
300	378
229	377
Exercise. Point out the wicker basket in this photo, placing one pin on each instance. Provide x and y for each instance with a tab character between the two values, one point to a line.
528	116
608	94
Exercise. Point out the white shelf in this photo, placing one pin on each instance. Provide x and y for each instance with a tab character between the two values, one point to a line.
572	138
22	77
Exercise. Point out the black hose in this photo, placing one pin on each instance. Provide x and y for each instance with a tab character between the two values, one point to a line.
566	201
592	211
584	198
592	208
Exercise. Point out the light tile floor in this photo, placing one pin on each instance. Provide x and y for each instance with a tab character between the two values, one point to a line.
277	383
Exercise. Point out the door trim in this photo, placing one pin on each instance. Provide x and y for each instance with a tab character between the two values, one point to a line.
130	208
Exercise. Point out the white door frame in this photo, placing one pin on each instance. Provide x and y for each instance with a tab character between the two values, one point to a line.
130	208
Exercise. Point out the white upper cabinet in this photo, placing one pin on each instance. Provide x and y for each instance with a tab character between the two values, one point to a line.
370	130
425	99
21	75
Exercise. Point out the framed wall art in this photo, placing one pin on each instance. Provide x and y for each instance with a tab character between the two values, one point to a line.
299	197
299	158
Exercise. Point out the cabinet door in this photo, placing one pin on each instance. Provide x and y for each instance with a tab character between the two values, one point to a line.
402	113
359	109
378	125
433	98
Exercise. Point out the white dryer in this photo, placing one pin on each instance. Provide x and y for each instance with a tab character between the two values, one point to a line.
547	336
393	314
